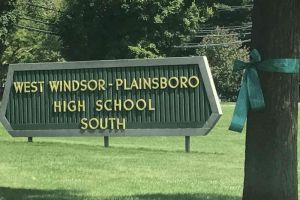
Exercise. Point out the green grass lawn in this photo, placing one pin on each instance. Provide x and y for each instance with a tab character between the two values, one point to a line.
133	168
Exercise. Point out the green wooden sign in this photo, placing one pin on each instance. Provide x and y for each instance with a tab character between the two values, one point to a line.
170	96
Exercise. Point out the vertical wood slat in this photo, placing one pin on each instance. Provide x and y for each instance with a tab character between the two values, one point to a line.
25	102
48	99
187	103
167	100
172	97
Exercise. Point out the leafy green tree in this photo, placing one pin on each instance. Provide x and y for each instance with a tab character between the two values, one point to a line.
94	29
31	47
7	19
221	58
231	12
33	39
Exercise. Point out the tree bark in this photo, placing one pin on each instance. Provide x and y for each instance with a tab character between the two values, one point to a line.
271	138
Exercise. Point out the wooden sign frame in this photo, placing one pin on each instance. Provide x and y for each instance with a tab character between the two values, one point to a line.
201	61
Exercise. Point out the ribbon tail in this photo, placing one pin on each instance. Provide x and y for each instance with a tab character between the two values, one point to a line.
241	108
256	97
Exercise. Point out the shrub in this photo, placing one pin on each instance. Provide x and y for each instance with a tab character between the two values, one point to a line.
221	58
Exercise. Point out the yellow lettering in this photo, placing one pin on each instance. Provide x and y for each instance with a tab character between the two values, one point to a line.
41	83
33	86
123	124
155	83
83	84
64	106
67	86
147	83
92	83
119	82
194	81
54	86
26	87
83	121
106	105
93	123
111	122
171	82
57	105
125	85
141	107
150	105
18	87
117	105
183	81
134	85
72	106
101	84
81	105
126	107
75	85
99	106
101	123
163	82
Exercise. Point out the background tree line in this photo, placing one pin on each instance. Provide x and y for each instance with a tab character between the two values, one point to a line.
71	30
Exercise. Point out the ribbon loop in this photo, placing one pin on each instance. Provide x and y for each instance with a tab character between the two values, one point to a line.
255	56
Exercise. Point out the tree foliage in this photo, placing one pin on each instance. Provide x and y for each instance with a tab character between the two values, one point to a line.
33	46
7	18
221	59
94	29
224	15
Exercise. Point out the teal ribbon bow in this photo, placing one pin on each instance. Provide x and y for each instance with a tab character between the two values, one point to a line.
251	95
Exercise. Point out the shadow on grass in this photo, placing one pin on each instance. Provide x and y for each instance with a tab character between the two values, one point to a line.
148	149
96	147
7	193
196	196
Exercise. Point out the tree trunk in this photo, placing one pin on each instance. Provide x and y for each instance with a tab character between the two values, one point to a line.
271	138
